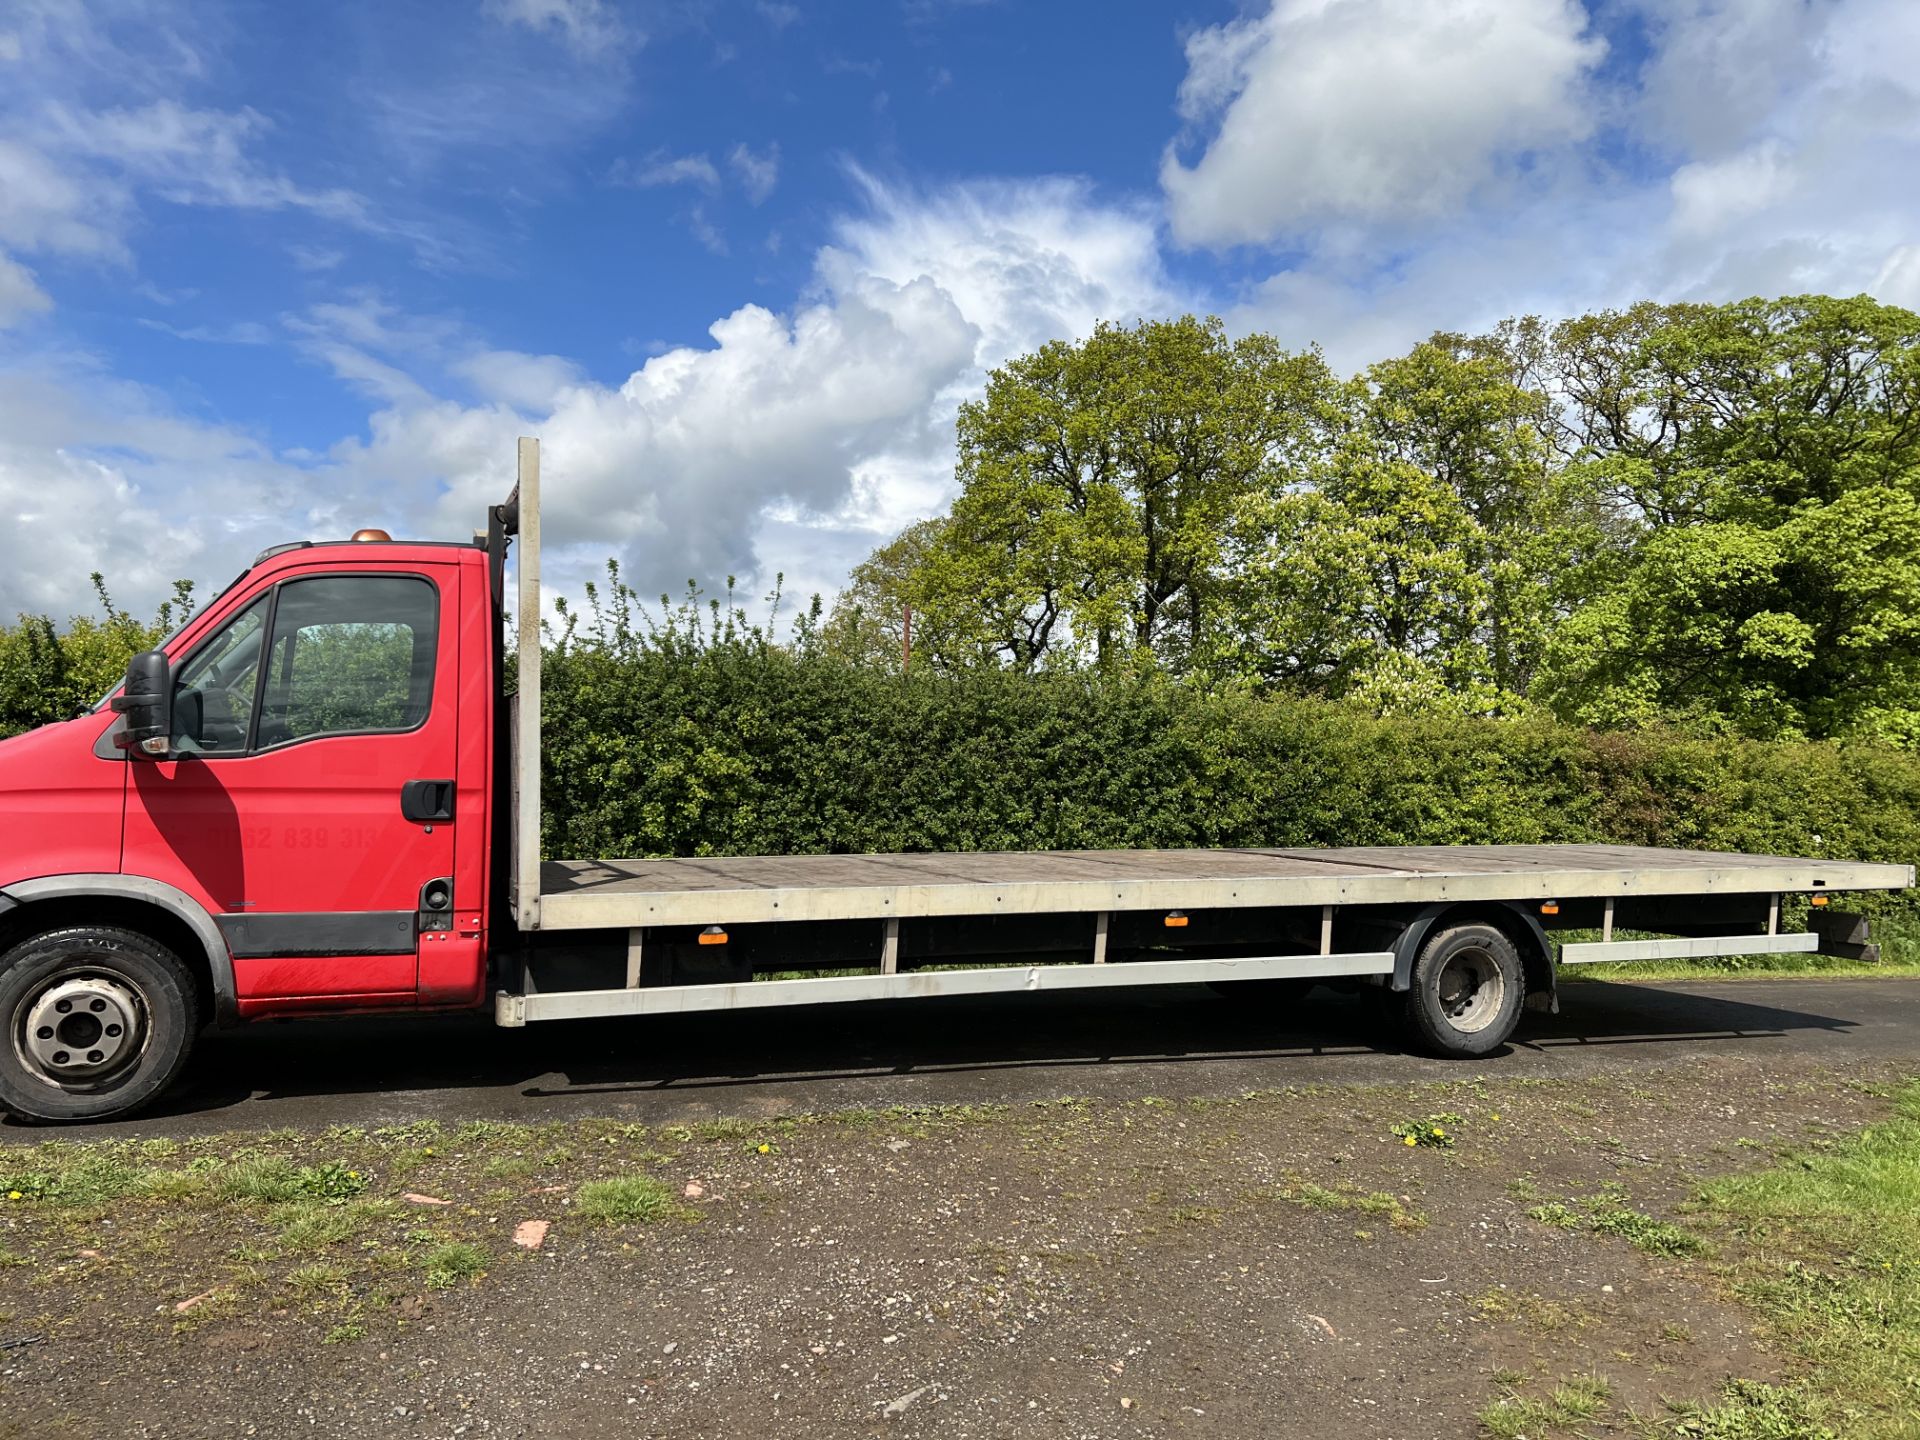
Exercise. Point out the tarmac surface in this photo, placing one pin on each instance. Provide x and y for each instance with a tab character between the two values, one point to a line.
1173	1042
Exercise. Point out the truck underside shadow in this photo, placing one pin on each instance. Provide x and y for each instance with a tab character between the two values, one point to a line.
968	1050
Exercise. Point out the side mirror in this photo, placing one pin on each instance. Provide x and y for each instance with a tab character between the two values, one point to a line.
147	704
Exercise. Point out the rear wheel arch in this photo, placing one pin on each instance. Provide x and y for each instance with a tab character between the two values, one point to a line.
1520	926
165	914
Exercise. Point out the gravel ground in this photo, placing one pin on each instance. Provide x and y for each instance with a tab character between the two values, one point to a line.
1273	1264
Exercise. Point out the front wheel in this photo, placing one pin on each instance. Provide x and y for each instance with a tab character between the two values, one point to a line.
98	1021
1468	987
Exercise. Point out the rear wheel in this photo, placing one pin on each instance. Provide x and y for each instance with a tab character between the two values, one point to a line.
97	1022
1468	987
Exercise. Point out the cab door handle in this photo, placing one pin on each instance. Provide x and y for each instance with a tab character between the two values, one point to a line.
427	802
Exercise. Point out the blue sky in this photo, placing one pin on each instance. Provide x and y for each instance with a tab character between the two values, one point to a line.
273	270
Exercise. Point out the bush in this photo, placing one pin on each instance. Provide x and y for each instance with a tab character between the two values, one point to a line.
755	750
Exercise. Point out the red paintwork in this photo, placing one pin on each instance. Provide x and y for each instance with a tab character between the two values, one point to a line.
313	826
60	804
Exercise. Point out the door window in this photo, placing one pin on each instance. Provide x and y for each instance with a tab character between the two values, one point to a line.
213	691
350	654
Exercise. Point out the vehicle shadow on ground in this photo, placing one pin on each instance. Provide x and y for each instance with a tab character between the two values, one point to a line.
536	1071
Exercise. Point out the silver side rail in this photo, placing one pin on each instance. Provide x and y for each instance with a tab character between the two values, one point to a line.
516	1010
1585	954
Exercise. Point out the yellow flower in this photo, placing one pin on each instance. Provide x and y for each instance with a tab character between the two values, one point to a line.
1438	1133
766	1149
1496	1114
1413	1139
15	1195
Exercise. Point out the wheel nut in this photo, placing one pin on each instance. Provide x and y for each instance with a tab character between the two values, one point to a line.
94	1057
45	1032
63	1006
60	1057
113	1031
97	1005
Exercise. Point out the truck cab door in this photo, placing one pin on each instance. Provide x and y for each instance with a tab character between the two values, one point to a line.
309	799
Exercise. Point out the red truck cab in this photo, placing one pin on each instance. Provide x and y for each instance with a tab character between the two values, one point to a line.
310	834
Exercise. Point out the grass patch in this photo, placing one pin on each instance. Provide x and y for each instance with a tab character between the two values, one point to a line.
1606	1215
1568	1405
1515	1418
628	1200
1749	1410
1560	1216
452	1263
1644	1233
1829	1252
1309	1196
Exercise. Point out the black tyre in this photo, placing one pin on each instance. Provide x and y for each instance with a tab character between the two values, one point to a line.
97	1020
1468	987
1279	993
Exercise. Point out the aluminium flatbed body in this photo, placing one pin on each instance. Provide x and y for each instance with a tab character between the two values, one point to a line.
756	889
1457	938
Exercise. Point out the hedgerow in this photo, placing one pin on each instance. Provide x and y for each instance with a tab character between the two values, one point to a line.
752	750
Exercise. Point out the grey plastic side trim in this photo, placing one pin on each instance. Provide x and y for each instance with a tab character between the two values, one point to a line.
322	933
226	1009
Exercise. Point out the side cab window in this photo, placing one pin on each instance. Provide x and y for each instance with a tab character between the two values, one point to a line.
328	655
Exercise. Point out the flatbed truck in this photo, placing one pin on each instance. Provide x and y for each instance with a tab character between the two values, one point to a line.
319	797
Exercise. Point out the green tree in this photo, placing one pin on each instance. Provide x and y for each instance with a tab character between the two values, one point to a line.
1763	463
1426	557
1096	483
869	621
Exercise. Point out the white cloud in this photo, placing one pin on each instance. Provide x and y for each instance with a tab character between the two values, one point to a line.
1750	155
1026	261
1325	113
790	441
46	207
528	383
19	295
588	27
1898	282
660	168
1718	68
92	475
757	173
191	157
1709	195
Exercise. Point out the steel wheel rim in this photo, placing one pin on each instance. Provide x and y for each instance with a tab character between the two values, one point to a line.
1471	989
82	1029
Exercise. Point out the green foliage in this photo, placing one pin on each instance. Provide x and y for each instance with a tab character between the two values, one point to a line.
1434	1131
1701	516
738	746
1752	1410
49	674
